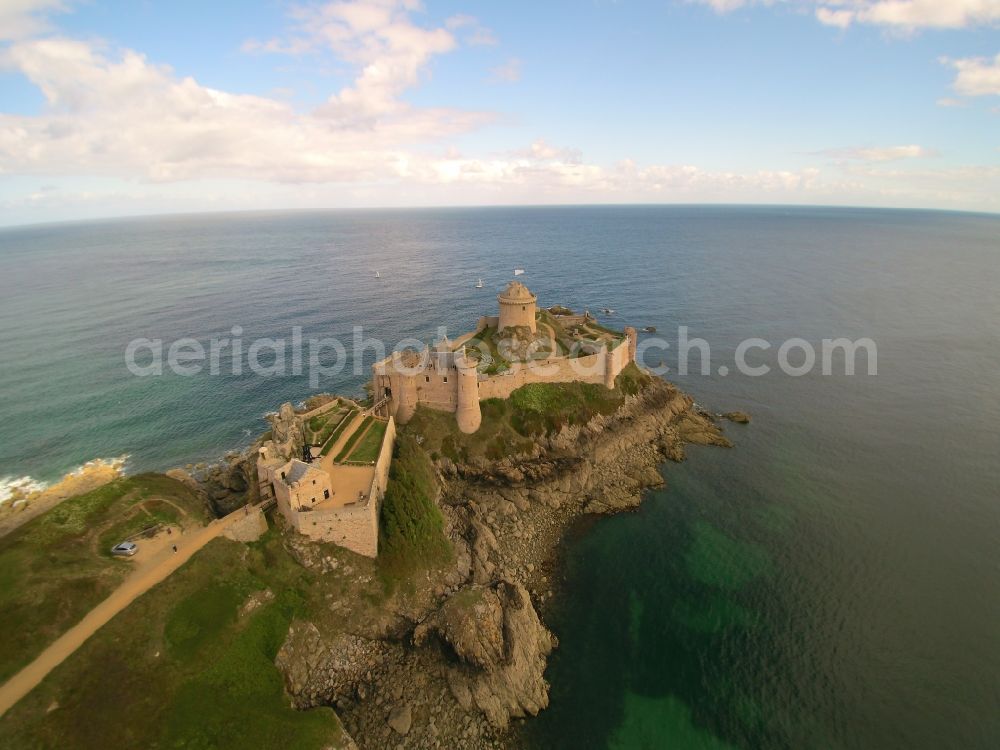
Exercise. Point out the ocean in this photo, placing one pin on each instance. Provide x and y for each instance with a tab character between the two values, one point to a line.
833	581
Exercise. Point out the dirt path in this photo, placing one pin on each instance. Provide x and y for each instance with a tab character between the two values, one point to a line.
149	573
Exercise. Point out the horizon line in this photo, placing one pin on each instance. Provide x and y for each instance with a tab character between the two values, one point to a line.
444	206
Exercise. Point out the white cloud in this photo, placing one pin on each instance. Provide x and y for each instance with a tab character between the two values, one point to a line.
880	153
900	14
115	113
20	19
121	133
914	14
475	34
379	38
509	72
977	76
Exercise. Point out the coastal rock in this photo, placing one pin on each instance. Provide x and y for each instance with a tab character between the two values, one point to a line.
320	669
698	429
284	424
740	417
400	719
501	646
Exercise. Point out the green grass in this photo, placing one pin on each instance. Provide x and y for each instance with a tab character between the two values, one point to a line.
56	567
543	408
411	528
322	425
368	447
355	436
597	327
338	431
180	668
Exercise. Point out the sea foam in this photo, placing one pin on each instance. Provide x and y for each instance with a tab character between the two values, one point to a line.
22	487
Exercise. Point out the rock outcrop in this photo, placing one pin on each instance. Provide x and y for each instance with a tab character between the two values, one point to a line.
501	647
322	669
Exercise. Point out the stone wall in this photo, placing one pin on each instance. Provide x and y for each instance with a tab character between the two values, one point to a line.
589	369
438	388
382	463
567	321
354	526
249	526
618	358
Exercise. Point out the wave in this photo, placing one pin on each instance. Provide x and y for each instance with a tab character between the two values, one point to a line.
19	486
16	488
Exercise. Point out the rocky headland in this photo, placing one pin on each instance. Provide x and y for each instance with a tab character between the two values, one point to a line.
463	653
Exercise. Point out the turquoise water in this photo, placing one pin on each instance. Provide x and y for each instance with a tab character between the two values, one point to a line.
833	581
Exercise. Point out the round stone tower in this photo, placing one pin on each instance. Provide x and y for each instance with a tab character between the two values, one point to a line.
467	413
403	381
517	307
633	341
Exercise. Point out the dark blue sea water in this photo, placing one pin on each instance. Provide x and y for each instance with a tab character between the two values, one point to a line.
833	581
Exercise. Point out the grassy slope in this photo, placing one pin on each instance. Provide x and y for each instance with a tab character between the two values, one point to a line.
353	439
368	447
180	668
411	528
56	567
338	431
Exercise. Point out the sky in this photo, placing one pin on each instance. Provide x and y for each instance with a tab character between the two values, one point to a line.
142	107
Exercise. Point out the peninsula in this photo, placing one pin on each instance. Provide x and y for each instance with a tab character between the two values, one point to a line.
397	593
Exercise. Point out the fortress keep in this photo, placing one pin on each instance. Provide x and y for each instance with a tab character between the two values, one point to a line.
520	345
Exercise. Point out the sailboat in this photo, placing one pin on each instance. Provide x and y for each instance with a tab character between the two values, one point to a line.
378	275
518	271
479	284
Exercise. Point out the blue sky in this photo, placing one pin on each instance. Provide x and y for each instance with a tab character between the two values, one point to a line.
130	108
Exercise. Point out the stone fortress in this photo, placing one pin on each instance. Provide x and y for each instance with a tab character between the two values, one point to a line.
521	345
327	468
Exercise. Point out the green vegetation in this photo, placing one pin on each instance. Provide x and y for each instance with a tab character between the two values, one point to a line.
321	427
338	431
597	328
544	408
57	567
182	668
368	447
355	436
411	529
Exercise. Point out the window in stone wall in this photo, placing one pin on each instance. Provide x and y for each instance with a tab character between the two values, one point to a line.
326	494
427	378
446	378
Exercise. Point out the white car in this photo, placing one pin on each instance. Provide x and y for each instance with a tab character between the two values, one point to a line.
125	549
